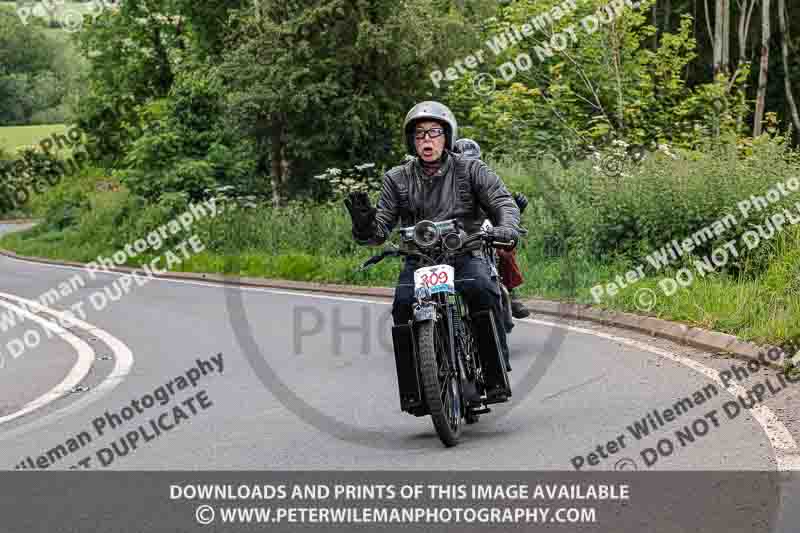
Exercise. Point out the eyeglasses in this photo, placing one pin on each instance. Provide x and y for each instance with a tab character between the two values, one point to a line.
432	133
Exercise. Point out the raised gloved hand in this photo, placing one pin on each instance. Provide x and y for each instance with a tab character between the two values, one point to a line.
361	213
505	234
522	201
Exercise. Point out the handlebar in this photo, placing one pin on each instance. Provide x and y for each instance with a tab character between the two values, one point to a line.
393	250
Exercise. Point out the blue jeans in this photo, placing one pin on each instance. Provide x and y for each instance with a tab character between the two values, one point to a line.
480	292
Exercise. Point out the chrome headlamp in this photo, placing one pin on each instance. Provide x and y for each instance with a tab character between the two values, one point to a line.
426	234
453	241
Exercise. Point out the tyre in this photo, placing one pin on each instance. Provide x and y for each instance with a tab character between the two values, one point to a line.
441	389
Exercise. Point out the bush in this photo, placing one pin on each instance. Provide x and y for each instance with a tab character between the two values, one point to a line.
668	196
25	173
184	148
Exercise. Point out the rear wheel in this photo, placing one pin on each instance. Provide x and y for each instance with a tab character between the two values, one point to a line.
440	382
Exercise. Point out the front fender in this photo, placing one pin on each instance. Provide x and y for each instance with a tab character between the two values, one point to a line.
424	312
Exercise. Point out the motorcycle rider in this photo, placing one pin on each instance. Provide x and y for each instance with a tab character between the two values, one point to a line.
438	184
509	269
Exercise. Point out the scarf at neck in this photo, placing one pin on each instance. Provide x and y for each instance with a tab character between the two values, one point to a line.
427	170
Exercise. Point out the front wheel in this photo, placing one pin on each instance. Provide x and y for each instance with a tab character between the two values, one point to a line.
440	382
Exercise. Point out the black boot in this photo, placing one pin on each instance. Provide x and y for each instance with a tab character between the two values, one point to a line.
518	309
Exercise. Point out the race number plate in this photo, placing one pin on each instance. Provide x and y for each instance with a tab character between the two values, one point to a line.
437	278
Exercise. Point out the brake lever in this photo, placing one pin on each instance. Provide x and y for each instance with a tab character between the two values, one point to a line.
366	265
369	263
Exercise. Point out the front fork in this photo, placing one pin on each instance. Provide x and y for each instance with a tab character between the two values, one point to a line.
426	309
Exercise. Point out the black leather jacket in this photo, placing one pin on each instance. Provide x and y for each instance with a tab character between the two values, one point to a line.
464	189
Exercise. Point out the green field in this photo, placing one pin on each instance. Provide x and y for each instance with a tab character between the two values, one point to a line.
14	136
83	7
42	18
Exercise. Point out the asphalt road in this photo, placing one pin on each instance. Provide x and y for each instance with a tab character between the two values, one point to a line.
324	397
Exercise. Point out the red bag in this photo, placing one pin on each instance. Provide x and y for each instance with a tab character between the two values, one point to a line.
510	273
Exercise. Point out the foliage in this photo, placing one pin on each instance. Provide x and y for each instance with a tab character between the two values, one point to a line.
184	147
339	77
133	53
34	74
605	85
27	171
668	196
360	178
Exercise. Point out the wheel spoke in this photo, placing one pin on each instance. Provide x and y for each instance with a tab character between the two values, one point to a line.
440	381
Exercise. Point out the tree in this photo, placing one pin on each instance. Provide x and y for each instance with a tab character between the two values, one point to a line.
722	37
762	77
322	82
32	77
785	55
745	16
132	53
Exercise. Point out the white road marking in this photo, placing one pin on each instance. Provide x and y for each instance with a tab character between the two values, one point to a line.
123	362
788	462
779	436
77	373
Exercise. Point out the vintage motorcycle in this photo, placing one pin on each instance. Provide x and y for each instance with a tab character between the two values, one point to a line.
449	360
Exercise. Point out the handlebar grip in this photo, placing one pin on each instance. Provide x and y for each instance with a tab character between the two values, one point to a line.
368	263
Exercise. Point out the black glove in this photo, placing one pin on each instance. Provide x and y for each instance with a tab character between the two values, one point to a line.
522	201
505	234
362	214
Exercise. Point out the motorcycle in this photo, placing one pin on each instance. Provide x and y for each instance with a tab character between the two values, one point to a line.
448	358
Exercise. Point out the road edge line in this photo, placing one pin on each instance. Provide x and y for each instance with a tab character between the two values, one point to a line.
76	374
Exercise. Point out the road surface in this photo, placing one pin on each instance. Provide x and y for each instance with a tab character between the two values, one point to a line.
324	397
